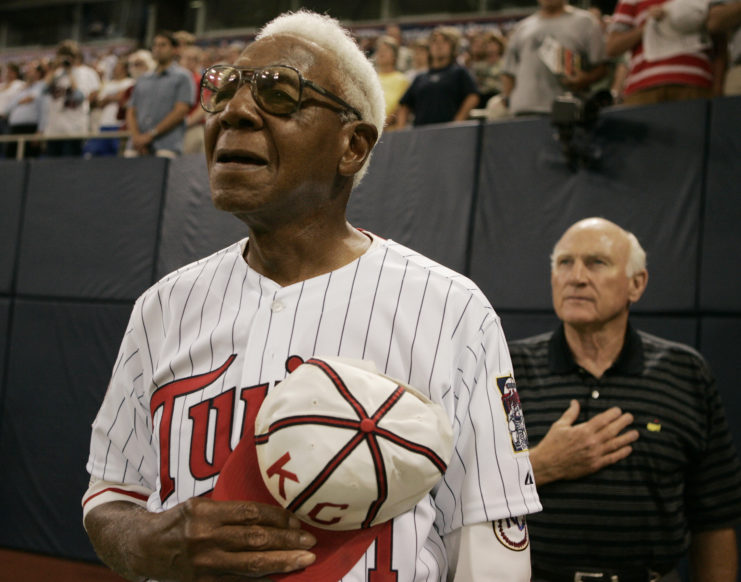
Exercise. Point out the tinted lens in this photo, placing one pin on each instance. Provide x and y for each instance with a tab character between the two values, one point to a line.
278	90
219	84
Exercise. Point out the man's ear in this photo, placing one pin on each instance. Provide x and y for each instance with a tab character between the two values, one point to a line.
360	139
638	284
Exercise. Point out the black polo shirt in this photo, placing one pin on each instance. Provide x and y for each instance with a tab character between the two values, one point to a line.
683	475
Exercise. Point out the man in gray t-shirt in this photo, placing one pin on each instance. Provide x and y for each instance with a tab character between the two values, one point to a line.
558	49
159	104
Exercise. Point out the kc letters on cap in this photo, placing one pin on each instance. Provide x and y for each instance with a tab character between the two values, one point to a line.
344	447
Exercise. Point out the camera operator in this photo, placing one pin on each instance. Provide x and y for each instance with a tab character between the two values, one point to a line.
69	84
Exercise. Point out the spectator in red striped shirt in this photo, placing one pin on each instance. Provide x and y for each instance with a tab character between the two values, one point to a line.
667	73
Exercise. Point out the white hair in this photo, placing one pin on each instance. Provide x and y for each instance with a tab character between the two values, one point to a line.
636	255
146	57
357	78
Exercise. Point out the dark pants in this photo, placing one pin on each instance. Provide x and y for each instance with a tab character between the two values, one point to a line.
32	149
672	576
64	147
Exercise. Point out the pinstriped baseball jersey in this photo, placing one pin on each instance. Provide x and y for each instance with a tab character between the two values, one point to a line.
206	343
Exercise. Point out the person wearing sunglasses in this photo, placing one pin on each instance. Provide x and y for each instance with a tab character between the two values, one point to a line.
289	132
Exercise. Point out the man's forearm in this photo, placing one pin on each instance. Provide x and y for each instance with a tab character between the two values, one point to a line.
112	528
198	539
724	17
508	84
468	104
586	78
619	42
172	119
402	117
543	472
131	123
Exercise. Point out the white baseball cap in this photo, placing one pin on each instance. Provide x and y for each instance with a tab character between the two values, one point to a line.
344	448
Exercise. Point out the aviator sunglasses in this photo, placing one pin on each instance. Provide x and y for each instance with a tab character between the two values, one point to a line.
277	89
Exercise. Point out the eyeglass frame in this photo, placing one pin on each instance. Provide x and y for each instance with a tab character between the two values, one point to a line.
303	82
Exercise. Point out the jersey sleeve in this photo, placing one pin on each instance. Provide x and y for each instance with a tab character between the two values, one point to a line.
489	476
122	445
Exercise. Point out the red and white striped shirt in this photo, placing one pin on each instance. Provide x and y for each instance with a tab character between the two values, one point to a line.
692	68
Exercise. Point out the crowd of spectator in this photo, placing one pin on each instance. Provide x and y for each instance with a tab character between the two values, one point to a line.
670	50
75	92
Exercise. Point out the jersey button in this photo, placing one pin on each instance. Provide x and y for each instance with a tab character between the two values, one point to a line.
277	306
595	394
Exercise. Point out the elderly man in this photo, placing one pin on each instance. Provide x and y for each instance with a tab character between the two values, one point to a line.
290	129
640	466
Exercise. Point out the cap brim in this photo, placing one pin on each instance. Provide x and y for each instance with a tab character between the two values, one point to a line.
336	551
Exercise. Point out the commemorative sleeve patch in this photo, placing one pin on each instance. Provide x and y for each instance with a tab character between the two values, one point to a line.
512	533
513	412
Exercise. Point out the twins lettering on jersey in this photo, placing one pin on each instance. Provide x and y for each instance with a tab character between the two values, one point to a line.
207	456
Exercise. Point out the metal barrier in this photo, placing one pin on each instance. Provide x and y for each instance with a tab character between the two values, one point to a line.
22	138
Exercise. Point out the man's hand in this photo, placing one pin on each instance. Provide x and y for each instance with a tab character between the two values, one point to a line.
656	12
570	451
575	81
141	142
199	539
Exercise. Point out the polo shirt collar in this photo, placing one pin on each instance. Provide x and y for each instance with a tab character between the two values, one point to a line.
167	70
629	362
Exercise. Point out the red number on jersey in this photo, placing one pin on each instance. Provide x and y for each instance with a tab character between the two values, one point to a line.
384	553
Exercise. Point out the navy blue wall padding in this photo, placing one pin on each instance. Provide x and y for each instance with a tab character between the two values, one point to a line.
683	329
4	321
60	362
651	171
721	257
720	343
419	191
521	325
90	227
192	228
11	195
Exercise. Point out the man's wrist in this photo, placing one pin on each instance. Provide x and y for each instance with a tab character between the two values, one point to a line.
541	471
153	133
